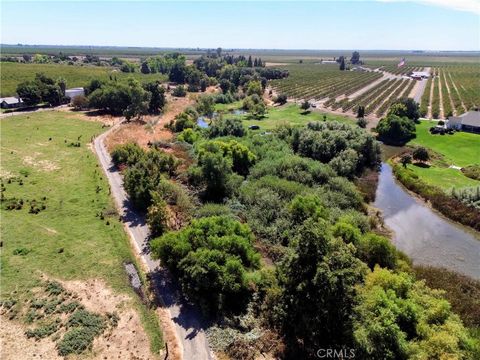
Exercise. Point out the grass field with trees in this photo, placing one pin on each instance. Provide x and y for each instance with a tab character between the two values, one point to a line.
57	215
13	74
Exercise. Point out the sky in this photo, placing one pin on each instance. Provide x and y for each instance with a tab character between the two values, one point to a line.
362	25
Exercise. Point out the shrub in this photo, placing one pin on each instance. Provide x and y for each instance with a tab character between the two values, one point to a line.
472	171
75	341
188	135
281	99
374	249
226	127
128	154
179	91
80	102
42	331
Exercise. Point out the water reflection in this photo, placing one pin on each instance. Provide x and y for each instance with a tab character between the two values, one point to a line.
425	236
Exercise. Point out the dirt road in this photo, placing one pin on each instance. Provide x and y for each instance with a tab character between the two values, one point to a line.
188	322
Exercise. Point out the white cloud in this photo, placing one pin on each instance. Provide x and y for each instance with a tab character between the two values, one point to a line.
462	5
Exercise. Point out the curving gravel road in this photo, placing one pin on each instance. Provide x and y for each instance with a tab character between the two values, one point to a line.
188	322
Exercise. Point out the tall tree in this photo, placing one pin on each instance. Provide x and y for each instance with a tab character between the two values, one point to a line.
249	62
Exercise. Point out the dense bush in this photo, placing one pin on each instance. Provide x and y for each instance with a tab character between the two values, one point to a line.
226	127
179	91
83	327
398	318
211	258
377	250
143	176
350	148
128	154
294	168
472	171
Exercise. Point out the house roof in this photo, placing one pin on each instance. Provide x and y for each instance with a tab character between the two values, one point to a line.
420	73
11	100
471	118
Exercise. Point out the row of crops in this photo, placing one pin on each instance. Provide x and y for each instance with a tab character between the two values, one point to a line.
453	89
377	99
403	70
312	81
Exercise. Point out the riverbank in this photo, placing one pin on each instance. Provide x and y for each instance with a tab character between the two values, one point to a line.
439	200
424	235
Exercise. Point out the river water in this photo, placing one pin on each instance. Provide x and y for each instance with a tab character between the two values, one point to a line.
425	236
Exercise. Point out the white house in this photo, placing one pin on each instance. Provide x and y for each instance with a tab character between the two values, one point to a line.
470	121
10	102
71	93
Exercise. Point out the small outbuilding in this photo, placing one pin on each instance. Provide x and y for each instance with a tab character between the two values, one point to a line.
71	93
10	102
469	121
420	75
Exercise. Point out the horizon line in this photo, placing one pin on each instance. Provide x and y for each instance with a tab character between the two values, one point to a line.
232	48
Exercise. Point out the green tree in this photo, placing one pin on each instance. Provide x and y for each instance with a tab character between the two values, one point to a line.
410	109
29	92
206	105
360	112
254	87
305	105
145	69
377	250
157	215
157	96
318	289
395	130
406	159
139	100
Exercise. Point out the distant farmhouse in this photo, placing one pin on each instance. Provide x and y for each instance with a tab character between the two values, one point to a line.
470	121
10	102
420	75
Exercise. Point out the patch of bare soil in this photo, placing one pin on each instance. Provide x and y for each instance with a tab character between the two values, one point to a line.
45	165
151	128
127	340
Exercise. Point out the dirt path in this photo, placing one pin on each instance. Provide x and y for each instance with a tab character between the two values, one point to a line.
441	114
429	113
419	88
187	321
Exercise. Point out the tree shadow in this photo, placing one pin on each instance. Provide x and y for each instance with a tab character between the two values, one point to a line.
421	164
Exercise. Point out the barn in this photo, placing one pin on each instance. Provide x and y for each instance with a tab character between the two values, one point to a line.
10	102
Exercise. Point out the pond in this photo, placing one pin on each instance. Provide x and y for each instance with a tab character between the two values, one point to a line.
425	236
202	123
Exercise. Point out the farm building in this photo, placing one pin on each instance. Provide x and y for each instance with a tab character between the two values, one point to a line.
329	62
10	102
470	121
71	93
419	75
